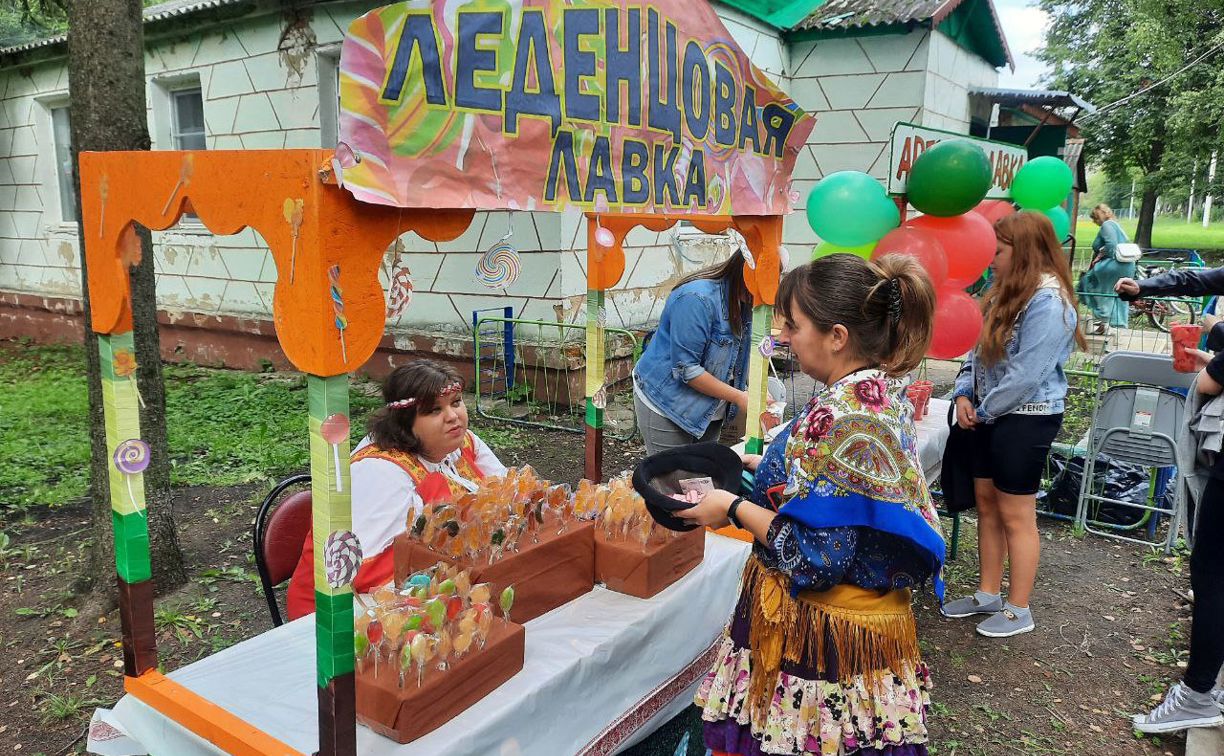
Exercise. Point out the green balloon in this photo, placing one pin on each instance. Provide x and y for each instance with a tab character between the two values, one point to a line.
949	179
824	249
1042	183
850	208
1062	222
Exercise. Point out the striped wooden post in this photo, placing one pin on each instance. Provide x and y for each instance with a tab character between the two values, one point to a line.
596	320
758	374
128	516
331	510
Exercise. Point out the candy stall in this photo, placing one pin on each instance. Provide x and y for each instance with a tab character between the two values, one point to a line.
530	599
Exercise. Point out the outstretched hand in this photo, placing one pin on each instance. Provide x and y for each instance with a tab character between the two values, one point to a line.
1127	287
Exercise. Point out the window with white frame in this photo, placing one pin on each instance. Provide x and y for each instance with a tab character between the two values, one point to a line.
187	119
61	132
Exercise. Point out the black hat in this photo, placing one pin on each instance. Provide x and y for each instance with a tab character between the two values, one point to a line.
657	477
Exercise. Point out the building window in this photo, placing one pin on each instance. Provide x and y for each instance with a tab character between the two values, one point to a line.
61	127
187	119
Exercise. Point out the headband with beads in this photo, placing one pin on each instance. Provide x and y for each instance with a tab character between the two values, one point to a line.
450	388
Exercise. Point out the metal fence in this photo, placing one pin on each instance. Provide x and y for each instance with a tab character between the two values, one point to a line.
533	373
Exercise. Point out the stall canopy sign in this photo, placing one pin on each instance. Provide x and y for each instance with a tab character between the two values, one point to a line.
543	105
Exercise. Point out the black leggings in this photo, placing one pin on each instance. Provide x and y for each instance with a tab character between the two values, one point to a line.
1207	580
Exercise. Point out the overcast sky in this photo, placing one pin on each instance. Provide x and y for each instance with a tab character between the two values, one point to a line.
1024	24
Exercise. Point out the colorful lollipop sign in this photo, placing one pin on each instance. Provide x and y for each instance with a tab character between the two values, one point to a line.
294	215
401	292
500	266
342	558
124	364
334	430
132	458
337	297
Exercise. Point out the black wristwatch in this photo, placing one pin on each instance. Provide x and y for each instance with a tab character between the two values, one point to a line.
731	512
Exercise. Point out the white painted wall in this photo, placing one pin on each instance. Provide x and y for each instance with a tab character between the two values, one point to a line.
951	71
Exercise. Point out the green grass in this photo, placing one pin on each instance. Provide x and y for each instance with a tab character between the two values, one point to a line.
1168	232
226	427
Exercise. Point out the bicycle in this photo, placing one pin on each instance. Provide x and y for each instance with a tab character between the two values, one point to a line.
1160	312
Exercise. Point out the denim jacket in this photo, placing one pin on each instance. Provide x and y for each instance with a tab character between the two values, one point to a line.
694	337
1029	380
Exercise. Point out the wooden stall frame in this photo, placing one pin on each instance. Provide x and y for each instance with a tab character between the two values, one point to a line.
328	321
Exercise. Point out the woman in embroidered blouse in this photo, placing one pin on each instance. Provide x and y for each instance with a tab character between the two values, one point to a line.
418	451
821	655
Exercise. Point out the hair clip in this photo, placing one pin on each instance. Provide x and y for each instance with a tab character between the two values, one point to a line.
894	300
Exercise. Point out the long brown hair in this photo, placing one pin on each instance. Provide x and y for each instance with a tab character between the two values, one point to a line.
731	271
864	296
423	380
1035	252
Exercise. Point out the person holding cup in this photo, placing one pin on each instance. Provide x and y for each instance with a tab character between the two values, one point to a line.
1010	393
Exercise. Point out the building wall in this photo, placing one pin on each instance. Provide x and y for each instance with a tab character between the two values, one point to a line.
951	71
857	87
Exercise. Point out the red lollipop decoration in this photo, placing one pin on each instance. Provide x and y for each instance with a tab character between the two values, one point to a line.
968	241
958	323
918	244
334	430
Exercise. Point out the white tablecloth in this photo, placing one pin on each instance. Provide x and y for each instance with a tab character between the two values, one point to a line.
600	673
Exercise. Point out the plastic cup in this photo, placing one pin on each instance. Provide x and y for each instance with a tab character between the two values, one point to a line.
1185	337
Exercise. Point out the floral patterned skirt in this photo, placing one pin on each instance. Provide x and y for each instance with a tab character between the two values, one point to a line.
811	712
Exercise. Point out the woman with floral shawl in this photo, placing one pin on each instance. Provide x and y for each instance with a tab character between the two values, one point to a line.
821	655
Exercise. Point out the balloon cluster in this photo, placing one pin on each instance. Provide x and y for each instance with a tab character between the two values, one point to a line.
953	241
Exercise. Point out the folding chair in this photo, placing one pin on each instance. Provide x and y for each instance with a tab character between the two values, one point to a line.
1135	420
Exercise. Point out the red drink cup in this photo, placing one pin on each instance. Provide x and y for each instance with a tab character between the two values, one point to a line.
925	400
914	392
1185	336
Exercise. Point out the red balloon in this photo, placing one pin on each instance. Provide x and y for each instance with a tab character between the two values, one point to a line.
958	323
920	245
968	241
994	210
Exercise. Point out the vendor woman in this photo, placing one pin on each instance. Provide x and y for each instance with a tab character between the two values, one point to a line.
418	451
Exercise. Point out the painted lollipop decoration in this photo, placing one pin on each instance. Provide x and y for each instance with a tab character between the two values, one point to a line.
334	430
124	363
400	295
500	266
131	458
185	173
294	215
342	558
603	237
104	192
784	257
768	347
337	297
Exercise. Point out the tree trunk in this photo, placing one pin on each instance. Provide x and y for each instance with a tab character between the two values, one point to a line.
1147	209
106	77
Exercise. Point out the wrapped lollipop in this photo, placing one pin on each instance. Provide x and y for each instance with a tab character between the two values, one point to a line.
506	601
422	646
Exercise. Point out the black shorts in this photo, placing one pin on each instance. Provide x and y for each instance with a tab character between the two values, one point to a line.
1012	452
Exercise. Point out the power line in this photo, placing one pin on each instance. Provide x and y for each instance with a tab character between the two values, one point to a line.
1150	87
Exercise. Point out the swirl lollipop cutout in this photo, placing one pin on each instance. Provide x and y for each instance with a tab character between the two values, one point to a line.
132	458
500	266
342	558
337	297
401	292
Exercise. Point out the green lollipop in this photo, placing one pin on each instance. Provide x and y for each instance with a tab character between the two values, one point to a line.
506	601
413	622
361	645
435	609
405	662
447	587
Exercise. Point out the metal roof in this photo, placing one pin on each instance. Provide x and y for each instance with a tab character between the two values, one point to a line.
152	14
1054	98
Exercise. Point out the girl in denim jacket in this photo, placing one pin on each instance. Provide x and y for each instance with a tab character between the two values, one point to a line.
1010	394
691	377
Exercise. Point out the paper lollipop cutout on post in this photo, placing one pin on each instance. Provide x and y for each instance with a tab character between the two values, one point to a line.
400	295
124	364
603	237
185	172
104	193
499	267
741	244
337	297
767	347
341	558
334	430
294	215
600	399
784	257
131	458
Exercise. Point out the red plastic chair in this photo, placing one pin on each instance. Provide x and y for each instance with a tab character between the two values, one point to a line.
280	532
